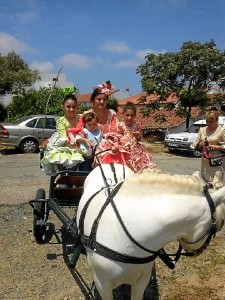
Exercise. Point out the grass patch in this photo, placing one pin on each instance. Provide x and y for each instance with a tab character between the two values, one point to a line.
155	147
6	149
2	147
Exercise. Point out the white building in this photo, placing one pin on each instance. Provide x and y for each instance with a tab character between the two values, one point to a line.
47	80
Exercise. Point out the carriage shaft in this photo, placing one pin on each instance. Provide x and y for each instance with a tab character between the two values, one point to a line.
63	217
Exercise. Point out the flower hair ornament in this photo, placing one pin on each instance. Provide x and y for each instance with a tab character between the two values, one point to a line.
106	87
70	91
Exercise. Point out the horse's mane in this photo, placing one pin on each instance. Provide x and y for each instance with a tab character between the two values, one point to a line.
184	183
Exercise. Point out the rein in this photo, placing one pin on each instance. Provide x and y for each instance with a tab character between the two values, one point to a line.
90	241
211	232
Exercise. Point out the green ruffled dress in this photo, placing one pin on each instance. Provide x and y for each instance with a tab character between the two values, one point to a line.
57	156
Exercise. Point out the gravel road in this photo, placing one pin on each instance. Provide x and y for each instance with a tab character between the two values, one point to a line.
38	272
20	175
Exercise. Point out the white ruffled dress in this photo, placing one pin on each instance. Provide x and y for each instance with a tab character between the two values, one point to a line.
57	156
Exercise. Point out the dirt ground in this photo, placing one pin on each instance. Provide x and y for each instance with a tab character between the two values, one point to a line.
40	271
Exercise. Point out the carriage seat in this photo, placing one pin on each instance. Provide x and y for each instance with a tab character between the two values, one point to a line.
67	189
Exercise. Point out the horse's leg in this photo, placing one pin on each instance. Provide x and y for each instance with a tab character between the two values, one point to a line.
138	288
104	289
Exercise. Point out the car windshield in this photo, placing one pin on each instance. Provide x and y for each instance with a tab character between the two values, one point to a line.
194	128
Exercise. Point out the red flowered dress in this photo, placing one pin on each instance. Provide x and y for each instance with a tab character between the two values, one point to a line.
140	158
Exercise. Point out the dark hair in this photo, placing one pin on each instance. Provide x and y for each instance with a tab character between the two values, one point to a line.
130	105
70	96
95	93
87	117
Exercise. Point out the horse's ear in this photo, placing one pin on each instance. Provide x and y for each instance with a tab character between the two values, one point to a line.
219	196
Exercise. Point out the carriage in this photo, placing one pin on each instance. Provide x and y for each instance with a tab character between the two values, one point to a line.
65	190
124	222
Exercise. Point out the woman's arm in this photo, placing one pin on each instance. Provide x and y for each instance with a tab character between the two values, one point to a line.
80	123
199	143
61	127
137	133
113	121
219	143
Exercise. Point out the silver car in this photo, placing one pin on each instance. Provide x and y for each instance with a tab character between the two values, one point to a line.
27	133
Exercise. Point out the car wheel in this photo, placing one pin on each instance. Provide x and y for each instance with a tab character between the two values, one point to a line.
196	153
171	150
29	146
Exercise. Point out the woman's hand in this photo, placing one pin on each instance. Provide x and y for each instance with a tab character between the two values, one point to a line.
87	142
137	135
201	145
115	148
213	148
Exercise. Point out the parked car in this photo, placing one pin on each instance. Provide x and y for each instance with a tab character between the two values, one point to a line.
183	140
26	133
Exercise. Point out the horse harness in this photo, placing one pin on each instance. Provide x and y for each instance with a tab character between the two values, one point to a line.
90	241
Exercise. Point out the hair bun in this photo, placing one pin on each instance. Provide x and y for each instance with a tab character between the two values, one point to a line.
70	91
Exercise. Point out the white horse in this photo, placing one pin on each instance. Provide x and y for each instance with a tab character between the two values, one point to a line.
124	225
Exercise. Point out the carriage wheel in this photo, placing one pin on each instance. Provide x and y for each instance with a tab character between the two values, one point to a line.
39	224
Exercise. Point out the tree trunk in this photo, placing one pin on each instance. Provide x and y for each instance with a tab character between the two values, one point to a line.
188	114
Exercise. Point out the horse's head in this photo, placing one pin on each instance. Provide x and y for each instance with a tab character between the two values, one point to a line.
215	222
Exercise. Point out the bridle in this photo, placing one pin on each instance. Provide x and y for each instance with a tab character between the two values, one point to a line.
90	241
208	235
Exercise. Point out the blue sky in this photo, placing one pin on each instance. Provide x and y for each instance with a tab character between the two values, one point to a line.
97	40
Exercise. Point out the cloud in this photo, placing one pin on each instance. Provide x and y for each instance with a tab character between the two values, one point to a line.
30	11
8	43
43	67
128	63
137	59
142	53
115	47
28	17
76	60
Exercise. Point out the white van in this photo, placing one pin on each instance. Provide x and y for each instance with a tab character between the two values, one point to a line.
182	141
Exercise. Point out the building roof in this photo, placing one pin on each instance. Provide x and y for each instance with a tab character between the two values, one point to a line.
84	98
149	98
118	94
153	121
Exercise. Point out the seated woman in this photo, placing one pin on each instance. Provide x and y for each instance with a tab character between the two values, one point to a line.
140	158
121	141
58	152
111	150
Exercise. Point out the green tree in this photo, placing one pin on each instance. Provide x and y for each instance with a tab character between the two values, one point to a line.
42	101
15	73
186	74
112	103
82	108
